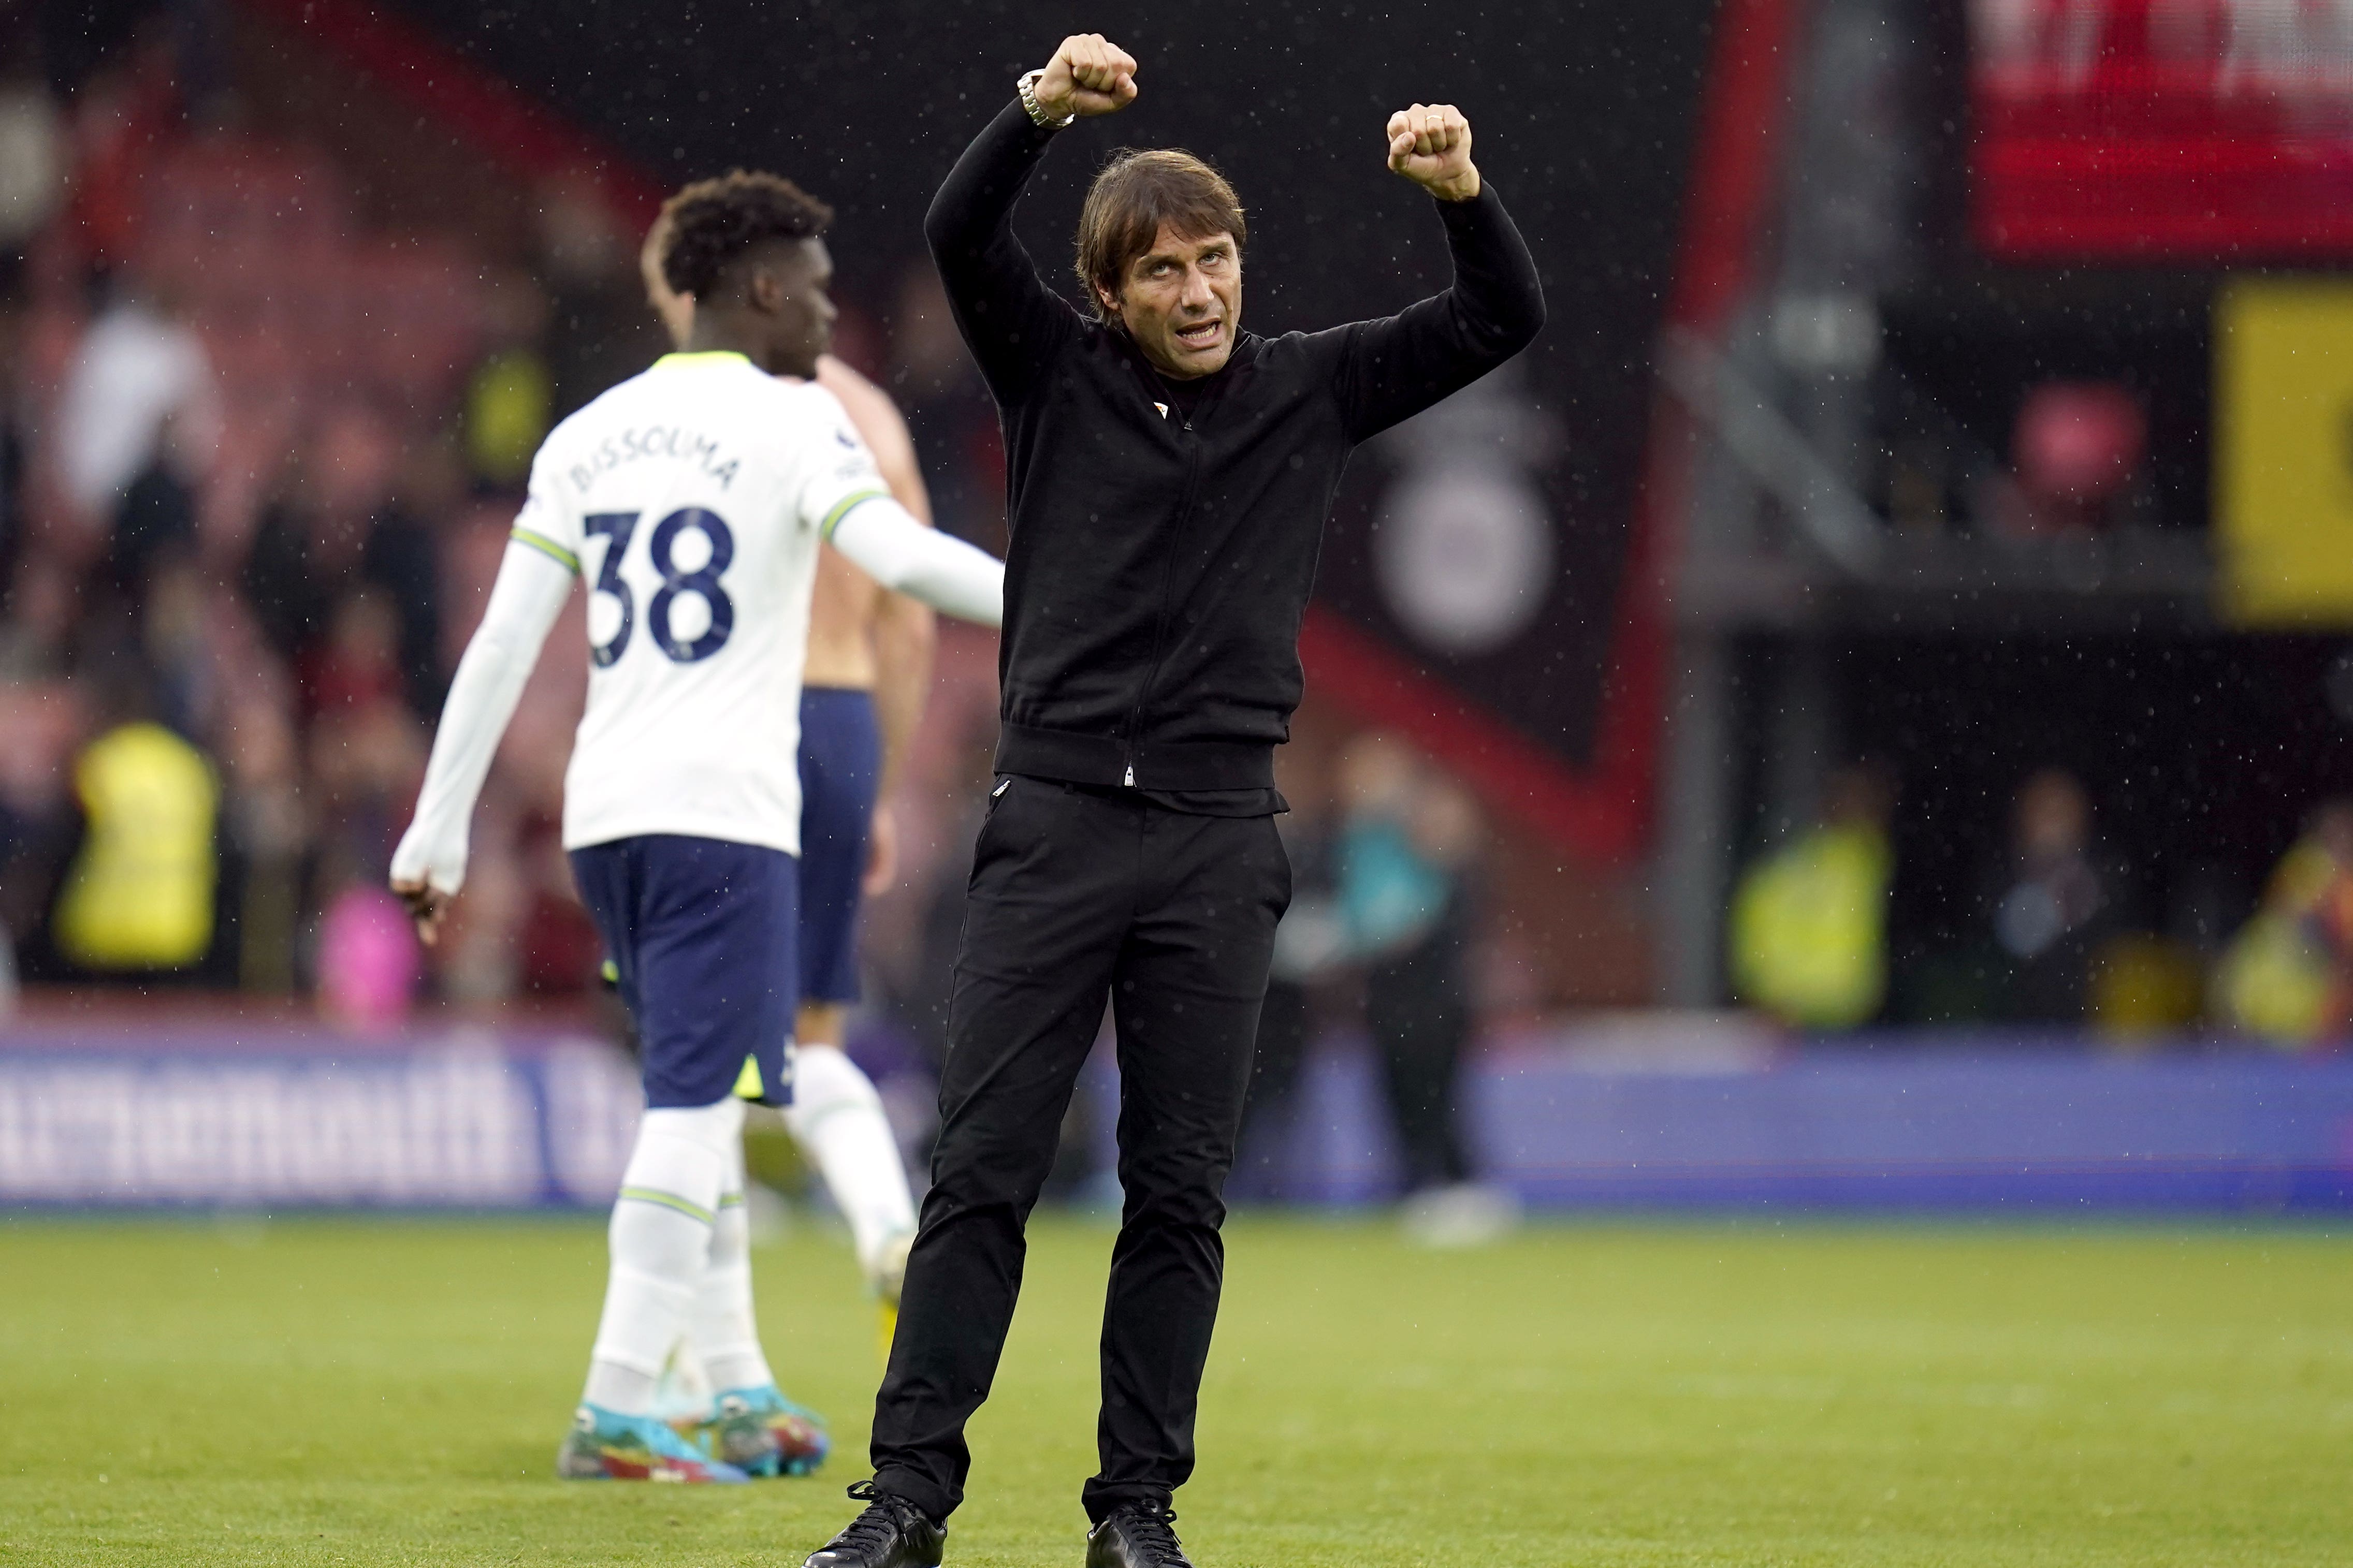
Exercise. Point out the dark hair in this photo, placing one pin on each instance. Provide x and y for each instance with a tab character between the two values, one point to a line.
1133	197
714	222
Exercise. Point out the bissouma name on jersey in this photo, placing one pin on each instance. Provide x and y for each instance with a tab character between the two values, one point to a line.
655	441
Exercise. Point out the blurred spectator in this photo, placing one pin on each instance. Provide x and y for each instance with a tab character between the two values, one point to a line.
39	726
32	158
404	560
126	111
368	962
2145	988
601	333
154	521
2323	890
137	423
1808	927
2287	975
14	512
1309	946
364	764
1404	862
558	949
478	957
41	606
511	397
139	896
2054	901
335	530
172	635
357	664
268	834
2076	451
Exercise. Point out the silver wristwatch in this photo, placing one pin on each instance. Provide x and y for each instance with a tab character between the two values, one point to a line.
1027	86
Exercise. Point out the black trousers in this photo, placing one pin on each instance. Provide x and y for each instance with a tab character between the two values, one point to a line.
1080	895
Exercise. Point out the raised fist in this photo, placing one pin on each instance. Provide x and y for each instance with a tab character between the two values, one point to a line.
1429	144
1087	76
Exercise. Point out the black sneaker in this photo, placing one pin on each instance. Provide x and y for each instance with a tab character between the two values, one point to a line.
1136	1535
891	1533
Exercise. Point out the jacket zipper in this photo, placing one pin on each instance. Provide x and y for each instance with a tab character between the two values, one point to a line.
1167	581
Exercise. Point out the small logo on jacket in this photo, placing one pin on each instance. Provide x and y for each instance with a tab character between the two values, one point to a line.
1163	409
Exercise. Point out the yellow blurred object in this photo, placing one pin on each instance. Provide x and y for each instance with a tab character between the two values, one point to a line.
139	895
890	1312
2282	465
1809	929
509	404
2273	981
2301	878
2144	987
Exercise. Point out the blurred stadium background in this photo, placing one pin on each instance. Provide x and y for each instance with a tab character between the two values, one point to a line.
1857	723
1861	717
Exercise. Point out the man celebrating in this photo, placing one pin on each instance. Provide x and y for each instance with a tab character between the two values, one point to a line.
1170	479
692	500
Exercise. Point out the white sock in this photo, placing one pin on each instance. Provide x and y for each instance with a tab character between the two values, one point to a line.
660	1238
722	1328
837	1118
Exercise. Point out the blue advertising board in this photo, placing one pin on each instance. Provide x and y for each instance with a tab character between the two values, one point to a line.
295	1116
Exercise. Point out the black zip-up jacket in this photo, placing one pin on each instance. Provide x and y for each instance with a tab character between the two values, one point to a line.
1160	566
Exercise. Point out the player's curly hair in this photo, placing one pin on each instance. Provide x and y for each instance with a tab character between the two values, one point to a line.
711	222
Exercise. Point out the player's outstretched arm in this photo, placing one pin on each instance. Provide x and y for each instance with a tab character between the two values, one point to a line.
1012	319
907	558
1390	369
430	864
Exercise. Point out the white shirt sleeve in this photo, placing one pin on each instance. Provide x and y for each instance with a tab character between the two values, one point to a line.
845	499
534	579
887	543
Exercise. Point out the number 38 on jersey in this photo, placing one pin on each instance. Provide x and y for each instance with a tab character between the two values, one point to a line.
689	615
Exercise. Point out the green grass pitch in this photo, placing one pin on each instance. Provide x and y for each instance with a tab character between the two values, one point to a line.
316	1392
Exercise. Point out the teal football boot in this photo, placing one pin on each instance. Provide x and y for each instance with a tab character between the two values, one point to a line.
761	1433
605	1445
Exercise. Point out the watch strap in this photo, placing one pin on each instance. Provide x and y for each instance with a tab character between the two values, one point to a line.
1027	86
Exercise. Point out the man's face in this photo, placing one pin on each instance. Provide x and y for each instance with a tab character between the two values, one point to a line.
791	291
1182	303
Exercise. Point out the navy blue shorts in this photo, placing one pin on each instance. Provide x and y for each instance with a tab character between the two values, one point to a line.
704	933
841	759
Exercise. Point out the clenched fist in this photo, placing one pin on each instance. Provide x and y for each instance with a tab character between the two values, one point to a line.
1429	144
1087	76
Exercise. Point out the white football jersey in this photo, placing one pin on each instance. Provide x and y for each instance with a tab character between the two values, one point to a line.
691	500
